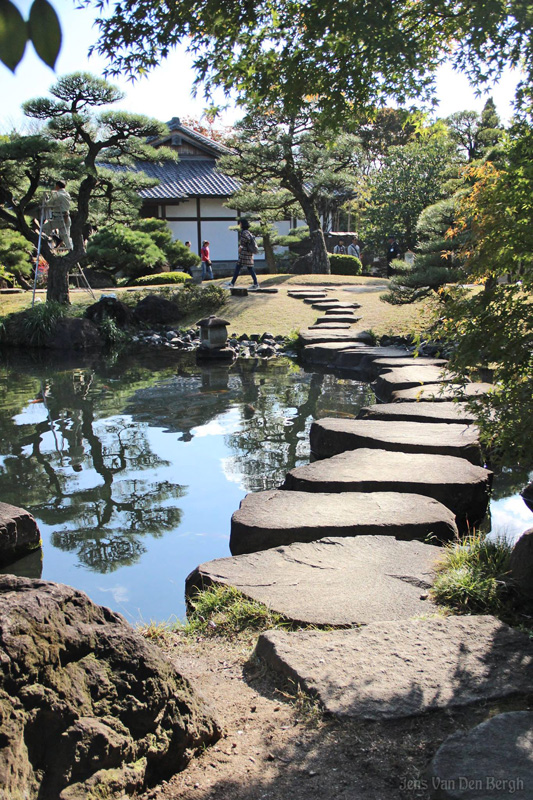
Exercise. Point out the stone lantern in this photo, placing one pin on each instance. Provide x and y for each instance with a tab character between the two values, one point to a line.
214	335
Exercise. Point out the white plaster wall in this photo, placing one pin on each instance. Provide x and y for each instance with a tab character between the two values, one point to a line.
186	231
186	209
223	241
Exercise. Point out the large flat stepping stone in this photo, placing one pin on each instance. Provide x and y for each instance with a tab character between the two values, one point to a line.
349	337
330	436
304	295
439	393
327	352
419	412
274	518
332	305
335	318
19	533
390	670
493	760
360	361
407	378
459	485
385	364
331	326
337	582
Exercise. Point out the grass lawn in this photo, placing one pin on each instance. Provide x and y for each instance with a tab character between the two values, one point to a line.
277	313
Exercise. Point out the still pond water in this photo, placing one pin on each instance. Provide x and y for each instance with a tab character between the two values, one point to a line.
134	467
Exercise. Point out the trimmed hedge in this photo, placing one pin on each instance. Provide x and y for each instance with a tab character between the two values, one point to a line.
345	265
162	279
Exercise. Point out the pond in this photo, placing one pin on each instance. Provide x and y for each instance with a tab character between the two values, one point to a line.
134	467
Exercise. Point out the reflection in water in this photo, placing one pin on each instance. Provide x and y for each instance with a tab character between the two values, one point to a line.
133	470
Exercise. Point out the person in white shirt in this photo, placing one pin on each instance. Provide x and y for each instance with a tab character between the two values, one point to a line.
58	209
354	249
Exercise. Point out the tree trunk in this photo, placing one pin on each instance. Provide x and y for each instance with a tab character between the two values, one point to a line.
57	287
269	254
319	254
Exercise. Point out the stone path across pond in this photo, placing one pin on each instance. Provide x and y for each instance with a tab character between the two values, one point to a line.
459	485
423	411
438	393
330	436
274	518
417	375
334	581
389	670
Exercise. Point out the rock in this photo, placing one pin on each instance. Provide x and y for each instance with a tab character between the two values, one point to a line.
332	305
332	312
110	308
19	533
380	365
351	337
74	333
82	695
303	294
493	760
521	564
239	291
439	393
334	318
274	518
334	581
330	436
326	352
418	412
407	378
156	309
527	495
334	326
455	482
390	670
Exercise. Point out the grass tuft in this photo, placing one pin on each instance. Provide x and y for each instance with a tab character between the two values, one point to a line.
224	611
473	576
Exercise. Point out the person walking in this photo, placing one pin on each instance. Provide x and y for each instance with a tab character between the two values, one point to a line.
206	261
354	248
339	248
58	207
247	250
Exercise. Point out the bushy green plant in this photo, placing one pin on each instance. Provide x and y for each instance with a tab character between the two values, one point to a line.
177	255
112	335
223	610
162	278
194	299
345	265
473	575
15	253
33	326
117	248
417	284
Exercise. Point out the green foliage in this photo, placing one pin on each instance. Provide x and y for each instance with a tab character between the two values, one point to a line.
15	253
224	611
414	285
117	248
475	133
473	575
178	256
191	299
112	335
42	29
33	326
161	278
345	265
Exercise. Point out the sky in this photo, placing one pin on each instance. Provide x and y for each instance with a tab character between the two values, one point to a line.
167	91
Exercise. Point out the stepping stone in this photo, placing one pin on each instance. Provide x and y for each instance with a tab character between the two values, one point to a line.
330	436
336	582
390	670
493	760
332	312
332	305
456	483
407	378
361	361
339	335
330	326
274	518
327	352
266	290
239	291
302	295
383	364
439	394
419	412
337	318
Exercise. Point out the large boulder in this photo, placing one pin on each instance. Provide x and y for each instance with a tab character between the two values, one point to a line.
74	333
155	309
521	564
19	533
110	307
88	708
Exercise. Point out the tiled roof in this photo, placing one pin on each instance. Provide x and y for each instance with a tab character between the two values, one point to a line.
186	178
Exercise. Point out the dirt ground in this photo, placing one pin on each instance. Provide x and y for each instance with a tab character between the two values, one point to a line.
278	745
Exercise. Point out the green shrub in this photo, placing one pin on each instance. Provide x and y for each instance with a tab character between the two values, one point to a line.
15	252
112	335
117	248
345	265
161	278
223	610
33	326
177	255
